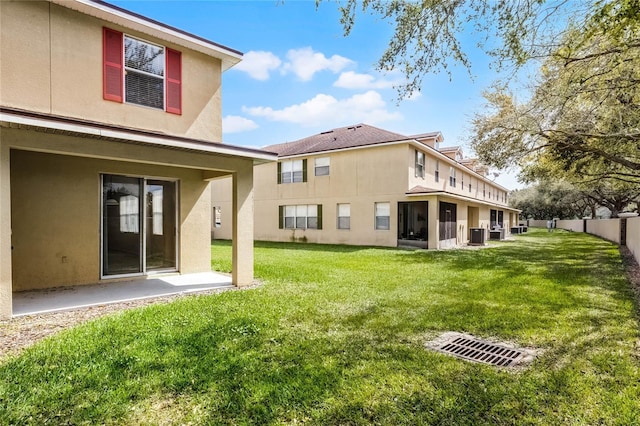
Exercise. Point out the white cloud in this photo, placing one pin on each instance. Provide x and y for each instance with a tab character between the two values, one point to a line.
327	111
413	97
353	80
304	63
258	64
237	124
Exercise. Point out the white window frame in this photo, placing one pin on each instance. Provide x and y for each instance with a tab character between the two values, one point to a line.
436	173
343	212
126	68
452	176
419	163
300	216
382	210
322	166
293	169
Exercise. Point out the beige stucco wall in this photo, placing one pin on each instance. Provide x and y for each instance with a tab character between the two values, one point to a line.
56	217
360	178
609	229
51	62
221	196
5	230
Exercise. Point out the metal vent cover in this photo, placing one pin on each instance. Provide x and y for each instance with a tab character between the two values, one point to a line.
473	349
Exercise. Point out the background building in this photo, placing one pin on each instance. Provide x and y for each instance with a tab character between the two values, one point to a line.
361	185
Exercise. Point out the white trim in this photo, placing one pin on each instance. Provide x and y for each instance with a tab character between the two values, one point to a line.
211	148
462	198
411	142
101	11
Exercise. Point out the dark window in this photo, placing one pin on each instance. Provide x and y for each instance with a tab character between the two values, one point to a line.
448	221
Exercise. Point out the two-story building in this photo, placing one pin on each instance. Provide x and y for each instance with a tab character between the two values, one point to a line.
361	185
110	131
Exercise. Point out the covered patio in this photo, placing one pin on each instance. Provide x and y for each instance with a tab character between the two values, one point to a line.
36	302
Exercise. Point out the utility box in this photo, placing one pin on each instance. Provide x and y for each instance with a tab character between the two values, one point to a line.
478	237
497	234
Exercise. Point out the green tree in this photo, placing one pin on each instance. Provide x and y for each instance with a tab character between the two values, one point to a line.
428	35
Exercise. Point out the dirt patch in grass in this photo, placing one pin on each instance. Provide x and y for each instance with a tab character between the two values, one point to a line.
21	332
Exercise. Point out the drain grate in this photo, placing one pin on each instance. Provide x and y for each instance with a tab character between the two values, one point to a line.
472	349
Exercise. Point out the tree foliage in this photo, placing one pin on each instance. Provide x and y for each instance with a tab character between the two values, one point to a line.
429	36
550	200
582	121
583	117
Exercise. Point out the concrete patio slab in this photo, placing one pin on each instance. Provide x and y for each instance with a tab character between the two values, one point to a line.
76	297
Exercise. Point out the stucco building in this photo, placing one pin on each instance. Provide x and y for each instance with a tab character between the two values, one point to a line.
361	185
110	131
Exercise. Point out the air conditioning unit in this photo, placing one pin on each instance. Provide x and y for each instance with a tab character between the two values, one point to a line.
478	237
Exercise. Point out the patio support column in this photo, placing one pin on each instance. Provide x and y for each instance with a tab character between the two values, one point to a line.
6	289
434	224
242	229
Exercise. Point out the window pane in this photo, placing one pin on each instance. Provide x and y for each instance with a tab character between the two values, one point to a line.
286	177
297	176
301	222
290	211
383	209
301	210
344	222
143	89
297	165
322	171
382	222
312	210
287	166
322	162
344	210
143	56
312	222
289	222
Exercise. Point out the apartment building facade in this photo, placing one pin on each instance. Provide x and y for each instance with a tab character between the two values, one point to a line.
361	185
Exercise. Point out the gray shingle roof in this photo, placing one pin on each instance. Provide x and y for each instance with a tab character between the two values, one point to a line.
340	138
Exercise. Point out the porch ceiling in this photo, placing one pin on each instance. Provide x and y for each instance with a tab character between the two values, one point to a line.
58	125
420	191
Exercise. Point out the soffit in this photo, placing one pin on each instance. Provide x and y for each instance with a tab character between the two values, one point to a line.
73	127
110	13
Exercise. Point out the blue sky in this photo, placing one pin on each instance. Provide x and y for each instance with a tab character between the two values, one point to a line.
301	76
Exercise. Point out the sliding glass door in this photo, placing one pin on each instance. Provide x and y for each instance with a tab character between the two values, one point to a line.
139	223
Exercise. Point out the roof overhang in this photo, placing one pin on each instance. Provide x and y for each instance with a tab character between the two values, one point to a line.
44	122
119	16
413	193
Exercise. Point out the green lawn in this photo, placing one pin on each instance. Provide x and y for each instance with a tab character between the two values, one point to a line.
335	335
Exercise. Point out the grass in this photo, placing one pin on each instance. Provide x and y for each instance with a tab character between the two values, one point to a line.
336	335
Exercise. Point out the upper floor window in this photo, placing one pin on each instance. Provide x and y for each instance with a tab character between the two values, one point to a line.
141	73
300	217
344	216
484	190
292	171
419	167
383	215
436	173
462	181
322	166
452	177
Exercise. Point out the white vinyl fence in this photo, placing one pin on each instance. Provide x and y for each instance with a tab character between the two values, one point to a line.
609	229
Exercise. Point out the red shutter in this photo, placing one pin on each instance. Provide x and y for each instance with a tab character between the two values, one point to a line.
174	82
112	65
